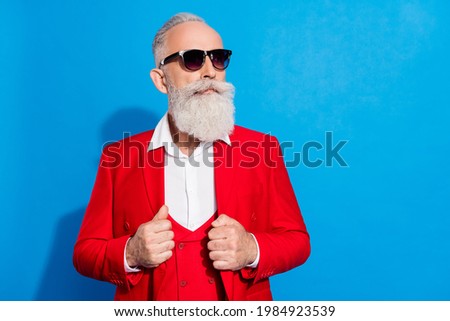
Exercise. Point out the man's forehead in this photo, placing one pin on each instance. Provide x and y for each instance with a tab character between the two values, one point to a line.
192	35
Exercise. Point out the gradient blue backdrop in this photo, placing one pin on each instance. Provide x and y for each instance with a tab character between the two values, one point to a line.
74	75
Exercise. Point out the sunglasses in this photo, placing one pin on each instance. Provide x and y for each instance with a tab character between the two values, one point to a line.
194	59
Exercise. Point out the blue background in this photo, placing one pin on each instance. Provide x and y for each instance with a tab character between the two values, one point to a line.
74	75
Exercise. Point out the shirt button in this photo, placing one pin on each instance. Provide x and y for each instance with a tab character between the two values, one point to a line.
181	246
211	281
183	283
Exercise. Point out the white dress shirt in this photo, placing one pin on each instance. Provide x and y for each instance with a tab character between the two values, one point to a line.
189	190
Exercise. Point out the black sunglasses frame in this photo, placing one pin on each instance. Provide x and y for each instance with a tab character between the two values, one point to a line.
209	53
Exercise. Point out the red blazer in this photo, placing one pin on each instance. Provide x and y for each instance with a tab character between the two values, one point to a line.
252	186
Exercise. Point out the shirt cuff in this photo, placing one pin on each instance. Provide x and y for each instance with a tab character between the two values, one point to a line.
256	261
128	269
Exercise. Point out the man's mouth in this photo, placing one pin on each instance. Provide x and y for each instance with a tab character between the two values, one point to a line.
206	91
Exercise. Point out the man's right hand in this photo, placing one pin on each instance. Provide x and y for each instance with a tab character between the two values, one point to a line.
153	242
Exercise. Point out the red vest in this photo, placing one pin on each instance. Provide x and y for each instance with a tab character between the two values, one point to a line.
189	274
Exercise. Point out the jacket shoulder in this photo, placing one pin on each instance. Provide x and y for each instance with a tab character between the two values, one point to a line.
140	138
245	134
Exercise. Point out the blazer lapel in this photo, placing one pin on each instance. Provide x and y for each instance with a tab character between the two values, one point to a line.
224	173
153	171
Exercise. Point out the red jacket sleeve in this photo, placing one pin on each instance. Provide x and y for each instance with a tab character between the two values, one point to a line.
284	243
97	253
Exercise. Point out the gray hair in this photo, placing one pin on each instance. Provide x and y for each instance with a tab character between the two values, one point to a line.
159	41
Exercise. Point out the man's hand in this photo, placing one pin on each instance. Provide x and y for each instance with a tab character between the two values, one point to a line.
153	242
231	246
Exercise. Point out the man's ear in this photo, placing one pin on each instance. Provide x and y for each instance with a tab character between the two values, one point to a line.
158	78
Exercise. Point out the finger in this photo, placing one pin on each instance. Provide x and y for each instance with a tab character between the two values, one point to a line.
153	250
159	251
219	256
157	259
161	237
167	246
218	233
162	214
223	232
158	226
163	257
221	265
217	245
222	220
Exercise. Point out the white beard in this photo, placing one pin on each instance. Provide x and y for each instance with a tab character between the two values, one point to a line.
206	116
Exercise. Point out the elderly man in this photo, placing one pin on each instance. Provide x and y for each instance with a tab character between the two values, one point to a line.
198	208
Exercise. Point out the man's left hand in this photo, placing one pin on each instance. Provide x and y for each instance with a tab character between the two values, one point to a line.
231	246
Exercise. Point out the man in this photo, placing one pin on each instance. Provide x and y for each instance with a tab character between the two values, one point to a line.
197	209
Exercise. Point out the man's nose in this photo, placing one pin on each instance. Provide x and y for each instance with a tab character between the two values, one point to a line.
208	70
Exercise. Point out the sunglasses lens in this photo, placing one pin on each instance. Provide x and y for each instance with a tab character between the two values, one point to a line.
220	58
193	59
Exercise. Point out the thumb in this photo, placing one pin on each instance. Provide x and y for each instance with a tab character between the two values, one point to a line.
222	220
162	214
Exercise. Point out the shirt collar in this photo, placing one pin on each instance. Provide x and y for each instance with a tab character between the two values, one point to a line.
162	137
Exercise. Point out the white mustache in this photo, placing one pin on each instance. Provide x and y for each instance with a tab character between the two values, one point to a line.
203	85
